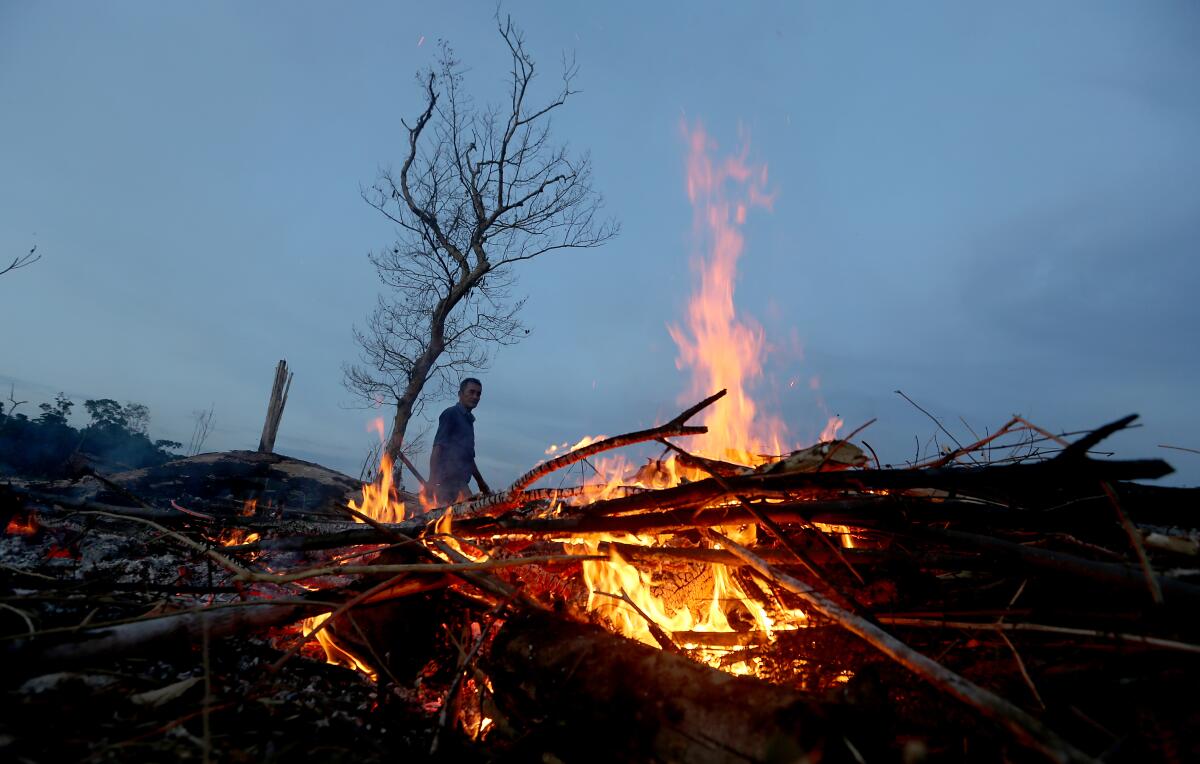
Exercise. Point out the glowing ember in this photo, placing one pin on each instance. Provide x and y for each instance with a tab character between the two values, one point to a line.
21	525
236	536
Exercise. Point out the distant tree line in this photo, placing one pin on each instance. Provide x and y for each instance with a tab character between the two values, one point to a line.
47	446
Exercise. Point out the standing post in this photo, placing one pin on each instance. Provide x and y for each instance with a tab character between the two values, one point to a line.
279	394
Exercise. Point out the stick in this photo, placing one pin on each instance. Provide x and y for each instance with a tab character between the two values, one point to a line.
1026	728
503	501
771	527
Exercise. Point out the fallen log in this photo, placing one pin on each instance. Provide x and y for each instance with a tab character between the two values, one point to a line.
587	690
63	649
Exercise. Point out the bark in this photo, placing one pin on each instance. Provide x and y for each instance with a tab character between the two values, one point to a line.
279	394
620	700
148	636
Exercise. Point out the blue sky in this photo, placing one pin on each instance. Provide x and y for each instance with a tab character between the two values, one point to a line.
992	207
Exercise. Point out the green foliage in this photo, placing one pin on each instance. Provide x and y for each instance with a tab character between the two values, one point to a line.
58	413
115	439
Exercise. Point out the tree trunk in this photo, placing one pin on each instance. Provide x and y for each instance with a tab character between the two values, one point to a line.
416	383
279	393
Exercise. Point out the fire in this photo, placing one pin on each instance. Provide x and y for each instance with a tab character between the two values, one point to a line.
22	525
334	654
722	351
236	536
380	500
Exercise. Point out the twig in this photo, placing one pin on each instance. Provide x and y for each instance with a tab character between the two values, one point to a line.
1135	539
1181	448
464	661
208	698
411	567
1026	728
935	419
1024	672
661	637
23	614
777	533
336	612
1136	639
974	446
833	447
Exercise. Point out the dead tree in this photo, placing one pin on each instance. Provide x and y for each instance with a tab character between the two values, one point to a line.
480	190
279	393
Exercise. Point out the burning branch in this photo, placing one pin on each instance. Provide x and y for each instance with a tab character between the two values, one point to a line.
499	503
1027	729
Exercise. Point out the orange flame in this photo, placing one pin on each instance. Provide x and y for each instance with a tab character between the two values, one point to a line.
380	500
236	536
22	525
723	351
333	653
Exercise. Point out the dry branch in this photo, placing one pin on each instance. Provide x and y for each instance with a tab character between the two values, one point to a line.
1026	728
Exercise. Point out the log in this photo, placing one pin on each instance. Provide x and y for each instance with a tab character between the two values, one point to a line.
173	632
617	699
279	393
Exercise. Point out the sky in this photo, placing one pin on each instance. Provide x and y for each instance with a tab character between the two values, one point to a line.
992	207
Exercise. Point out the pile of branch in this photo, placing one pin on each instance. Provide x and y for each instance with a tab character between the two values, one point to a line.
965	608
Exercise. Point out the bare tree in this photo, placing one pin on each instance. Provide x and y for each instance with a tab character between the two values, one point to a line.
203	423
480	190
21	261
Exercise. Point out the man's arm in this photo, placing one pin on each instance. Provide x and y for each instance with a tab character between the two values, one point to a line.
435	460
483	486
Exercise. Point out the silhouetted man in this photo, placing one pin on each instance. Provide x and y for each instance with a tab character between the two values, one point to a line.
452	461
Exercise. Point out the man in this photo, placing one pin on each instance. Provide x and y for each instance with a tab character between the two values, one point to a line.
452	461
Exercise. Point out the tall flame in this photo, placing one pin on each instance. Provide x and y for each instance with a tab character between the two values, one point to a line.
722	350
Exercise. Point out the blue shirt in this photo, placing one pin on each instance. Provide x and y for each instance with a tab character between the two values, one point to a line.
454	460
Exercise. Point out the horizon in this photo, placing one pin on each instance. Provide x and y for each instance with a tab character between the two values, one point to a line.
990	209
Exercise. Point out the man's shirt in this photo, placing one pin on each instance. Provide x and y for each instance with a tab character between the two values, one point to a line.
455	439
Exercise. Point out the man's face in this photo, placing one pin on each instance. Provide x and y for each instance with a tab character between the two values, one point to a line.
469	395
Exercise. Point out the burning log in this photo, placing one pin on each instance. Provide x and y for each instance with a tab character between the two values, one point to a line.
571	680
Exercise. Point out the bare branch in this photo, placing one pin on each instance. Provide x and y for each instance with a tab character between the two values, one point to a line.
480	188
21	261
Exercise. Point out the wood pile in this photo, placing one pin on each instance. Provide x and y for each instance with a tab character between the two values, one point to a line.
979	607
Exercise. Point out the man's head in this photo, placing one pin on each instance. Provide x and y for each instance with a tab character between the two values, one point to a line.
469	392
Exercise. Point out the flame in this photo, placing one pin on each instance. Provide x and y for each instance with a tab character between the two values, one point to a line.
334	654
722	351
250	507
236	536
831	429
19	525
376	425
380	501
610	582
